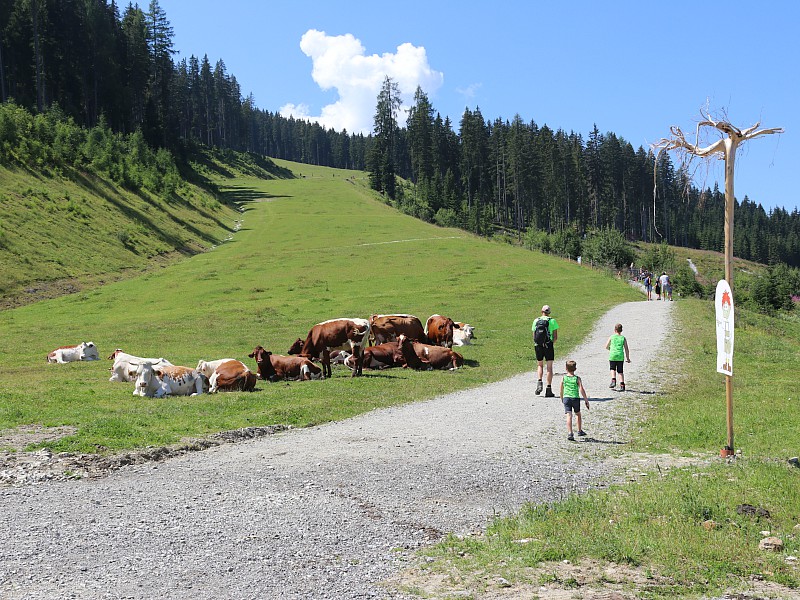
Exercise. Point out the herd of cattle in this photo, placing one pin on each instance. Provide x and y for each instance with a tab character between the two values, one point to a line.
380	342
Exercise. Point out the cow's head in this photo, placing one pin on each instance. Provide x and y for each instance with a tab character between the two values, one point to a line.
114	354
296	347
265	369
88	351
469	330
145	374
204	368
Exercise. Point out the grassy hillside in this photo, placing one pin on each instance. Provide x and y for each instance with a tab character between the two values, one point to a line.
60	232
311	248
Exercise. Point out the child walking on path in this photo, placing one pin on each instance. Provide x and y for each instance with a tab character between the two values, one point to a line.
617	346
571	392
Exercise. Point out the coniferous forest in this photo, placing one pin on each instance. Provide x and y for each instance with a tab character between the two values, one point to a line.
95	63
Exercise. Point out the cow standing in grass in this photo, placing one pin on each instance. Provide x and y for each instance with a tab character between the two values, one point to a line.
328	335
387	328
439	330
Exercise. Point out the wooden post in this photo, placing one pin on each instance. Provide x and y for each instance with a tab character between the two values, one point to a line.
730	156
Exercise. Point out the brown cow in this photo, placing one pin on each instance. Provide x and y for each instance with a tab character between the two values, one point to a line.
387	328
439	330
325	336
410	357
382	356
232	376
273	367
438	357
338	357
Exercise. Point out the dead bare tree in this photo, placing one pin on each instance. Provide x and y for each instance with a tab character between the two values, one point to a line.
725	148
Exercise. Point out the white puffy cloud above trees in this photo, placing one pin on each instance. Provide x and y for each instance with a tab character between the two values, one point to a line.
340	63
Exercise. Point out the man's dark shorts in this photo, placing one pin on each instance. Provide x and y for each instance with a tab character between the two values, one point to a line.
616	365
572	404
545	352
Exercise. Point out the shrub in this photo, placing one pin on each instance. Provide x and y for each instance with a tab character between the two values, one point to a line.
608	247
685	283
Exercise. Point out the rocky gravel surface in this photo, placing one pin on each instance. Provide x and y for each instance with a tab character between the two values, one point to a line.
324	512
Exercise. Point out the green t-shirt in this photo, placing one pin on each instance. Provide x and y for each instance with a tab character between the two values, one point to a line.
571	389
616	349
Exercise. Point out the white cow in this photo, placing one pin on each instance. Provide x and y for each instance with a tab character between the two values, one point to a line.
157	382
65	354
125	365
463	335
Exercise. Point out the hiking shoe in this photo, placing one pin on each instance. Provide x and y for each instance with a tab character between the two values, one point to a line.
581	433
621	387
549	393
613	384
539	387
571	438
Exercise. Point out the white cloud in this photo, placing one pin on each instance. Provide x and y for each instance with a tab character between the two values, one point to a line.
340	63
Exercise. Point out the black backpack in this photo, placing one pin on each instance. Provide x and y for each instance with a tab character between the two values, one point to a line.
541	333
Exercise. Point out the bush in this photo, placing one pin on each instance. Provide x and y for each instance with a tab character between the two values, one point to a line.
608	247
659	258
535	239
566	242
685	283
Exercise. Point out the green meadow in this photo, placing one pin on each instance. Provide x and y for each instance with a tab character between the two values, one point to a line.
312	247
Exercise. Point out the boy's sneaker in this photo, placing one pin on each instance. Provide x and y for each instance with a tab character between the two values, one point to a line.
621	387
571	438
538	387
581	433
613	384
549	393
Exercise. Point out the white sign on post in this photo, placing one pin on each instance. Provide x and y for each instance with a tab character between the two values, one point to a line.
723	302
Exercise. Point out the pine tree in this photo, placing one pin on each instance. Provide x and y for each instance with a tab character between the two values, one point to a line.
382	157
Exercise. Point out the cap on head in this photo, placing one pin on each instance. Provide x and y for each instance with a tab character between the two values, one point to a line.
546	309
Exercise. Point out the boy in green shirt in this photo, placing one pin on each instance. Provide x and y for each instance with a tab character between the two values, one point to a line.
617	346
571	392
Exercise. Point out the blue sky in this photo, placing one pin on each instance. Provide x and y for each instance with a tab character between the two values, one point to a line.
633	68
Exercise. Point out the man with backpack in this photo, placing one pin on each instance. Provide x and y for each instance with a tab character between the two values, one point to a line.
545	334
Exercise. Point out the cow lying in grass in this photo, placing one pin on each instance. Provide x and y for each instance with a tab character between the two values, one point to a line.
227	375
126	365
274	367
65	354
157	382
438	357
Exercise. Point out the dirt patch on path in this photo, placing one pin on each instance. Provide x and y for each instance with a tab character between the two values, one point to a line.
18	467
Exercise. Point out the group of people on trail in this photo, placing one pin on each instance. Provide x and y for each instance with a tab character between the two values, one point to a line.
545	334
661	284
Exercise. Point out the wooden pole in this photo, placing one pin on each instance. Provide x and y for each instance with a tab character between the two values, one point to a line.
730	156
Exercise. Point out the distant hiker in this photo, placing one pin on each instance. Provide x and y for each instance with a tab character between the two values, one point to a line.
545	334
658	289
666	285
571	392
648	286
618	354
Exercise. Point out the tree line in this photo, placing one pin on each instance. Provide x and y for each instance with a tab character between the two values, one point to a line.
102	65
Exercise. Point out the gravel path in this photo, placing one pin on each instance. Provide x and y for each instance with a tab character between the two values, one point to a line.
329	511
